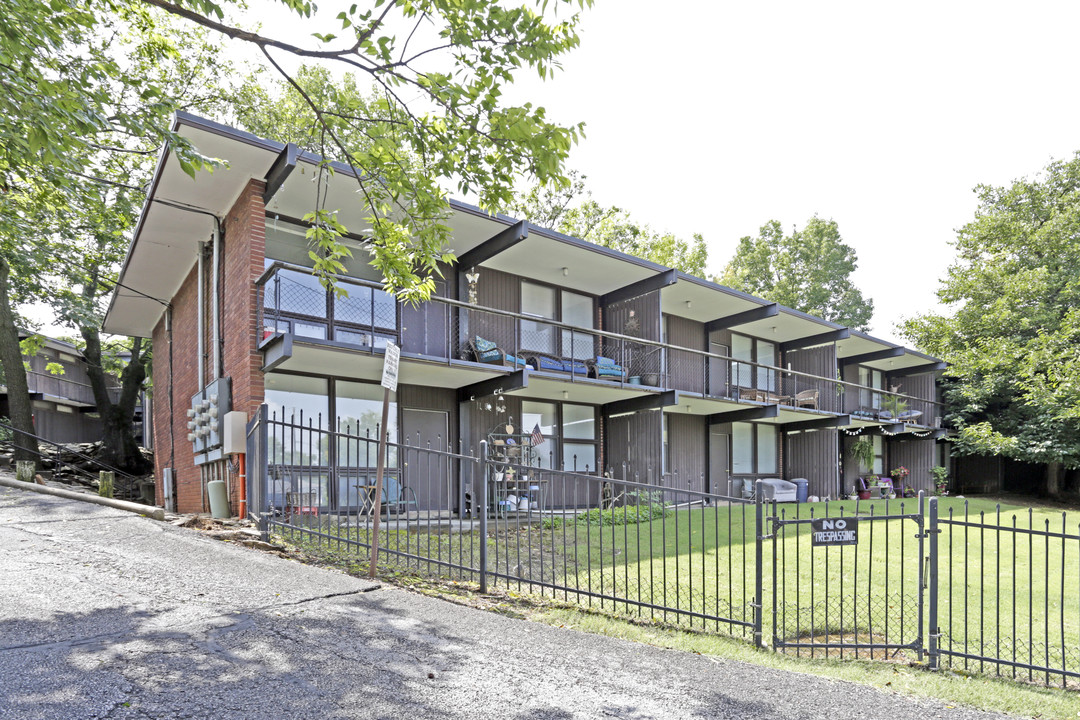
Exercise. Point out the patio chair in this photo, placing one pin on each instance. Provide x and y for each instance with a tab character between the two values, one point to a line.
300	504
605	367
487	351
807	399
398	497
550	363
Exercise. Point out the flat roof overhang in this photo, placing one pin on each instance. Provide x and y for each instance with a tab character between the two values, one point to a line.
179	215
289	353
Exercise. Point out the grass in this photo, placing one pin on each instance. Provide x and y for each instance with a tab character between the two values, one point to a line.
701	562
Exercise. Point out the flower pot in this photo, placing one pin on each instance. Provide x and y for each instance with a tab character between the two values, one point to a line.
864	494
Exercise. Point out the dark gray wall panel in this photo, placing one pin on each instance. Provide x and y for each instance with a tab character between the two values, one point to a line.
687	441
916	454
813	455
686	371
820	361
633	446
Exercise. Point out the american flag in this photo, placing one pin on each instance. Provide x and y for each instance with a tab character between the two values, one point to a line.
537	437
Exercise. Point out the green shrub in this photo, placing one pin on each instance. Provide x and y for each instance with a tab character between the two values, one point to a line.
623	515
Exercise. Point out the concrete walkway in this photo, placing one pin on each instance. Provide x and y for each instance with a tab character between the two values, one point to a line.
104	614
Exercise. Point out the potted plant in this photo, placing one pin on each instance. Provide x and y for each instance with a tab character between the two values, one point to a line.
862	452
941	479
900	475
864	486
893	405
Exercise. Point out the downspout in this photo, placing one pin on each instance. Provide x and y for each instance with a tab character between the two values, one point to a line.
201	322
200	344
215	300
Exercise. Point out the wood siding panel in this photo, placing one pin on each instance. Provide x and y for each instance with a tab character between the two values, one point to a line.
917	455
688	454
920	386
425	327
639	359
686	370
820	361
633	446
501	291
814	455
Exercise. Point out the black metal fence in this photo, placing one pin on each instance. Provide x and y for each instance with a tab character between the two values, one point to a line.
983	594
1005	593
646	550
861	597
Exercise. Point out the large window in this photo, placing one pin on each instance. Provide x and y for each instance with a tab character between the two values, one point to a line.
358	410
298	445
754	350
577	310
570	441
570	308
870	378
295	302
538	301
754	449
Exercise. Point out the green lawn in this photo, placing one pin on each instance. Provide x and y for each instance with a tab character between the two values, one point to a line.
699	565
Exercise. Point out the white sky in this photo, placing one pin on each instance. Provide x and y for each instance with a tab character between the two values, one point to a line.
715	117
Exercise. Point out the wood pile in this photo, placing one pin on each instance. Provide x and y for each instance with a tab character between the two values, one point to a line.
74	464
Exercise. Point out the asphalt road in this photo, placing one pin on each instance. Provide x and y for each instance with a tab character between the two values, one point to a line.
104	614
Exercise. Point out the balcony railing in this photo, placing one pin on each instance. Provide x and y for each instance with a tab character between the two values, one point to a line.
292	300
58	386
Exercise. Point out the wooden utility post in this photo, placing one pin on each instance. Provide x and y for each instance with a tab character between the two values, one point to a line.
389	383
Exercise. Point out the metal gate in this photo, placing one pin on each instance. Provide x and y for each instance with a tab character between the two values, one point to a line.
849	582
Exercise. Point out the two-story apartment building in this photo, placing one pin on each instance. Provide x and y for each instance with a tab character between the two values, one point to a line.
625	366
63	403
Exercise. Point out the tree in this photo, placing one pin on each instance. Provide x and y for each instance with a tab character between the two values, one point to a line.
808	270
1013	343
570	209
72	100
438	67
91	91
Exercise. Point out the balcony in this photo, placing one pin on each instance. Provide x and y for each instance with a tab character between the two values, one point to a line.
455	339
59	389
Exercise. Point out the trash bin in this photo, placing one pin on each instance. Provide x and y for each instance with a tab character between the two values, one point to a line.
801	488
219	499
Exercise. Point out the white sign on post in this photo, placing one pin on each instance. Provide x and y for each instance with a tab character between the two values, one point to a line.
390	366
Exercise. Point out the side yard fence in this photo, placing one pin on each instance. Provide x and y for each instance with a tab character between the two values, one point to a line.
975	593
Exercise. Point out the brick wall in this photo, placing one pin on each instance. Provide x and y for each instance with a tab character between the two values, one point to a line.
175	381
244	245
245	250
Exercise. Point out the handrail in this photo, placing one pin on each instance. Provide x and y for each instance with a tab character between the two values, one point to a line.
280	265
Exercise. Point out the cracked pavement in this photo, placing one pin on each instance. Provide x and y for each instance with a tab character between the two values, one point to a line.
104	614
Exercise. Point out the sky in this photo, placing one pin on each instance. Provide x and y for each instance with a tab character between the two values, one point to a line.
715	117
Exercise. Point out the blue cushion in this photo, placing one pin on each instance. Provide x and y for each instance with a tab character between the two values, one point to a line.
613	371
575	367
484	345
547	363
605	361
490	355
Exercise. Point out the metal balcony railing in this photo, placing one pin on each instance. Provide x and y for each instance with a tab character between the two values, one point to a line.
293	301
58	386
